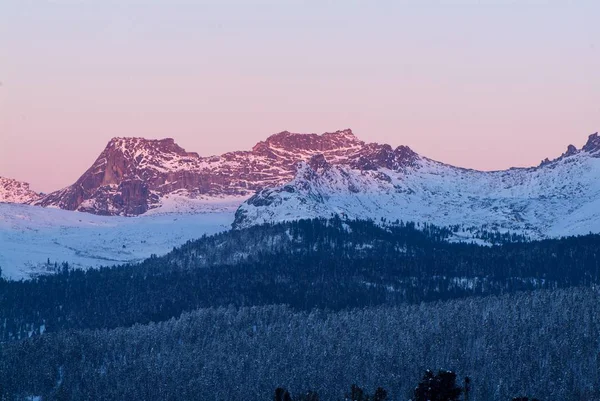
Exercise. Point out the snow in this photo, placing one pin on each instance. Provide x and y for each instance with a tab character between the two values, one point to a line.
30	235
559	198
183	203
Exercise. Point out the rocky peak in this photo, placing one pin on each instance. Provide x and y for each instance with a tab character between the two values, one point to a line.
137	146
593	144
132	174
345	136
592	147
309	142
13	191
124	176
406	154
374	156
571	150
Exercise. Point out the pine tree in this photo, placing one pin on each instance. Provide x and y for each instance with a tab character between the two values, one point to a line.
467	388
380	394
440	387
282	394
356	393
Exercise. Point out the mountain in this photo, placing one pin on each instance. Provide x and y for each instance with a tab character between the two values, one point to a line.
134	175
558	197
13	191
291	176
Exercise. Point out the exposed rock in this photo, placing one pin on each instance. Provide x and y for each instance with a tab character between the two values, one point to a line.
132	174
593	145
374	156
318	162
571	150
13	191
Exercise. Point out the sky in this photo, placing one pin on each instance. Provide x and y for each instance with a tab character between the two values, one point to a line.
485	84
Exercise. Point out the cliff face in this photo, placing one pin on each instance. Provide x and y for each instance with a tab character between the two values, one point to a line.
132	174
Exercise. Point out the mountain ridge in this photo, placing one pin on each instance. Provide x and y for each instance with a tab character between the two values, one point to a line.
133	175
558	197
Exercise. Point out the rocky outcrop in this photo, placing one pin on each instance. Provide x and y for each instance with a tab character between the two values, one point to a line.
571	150
374	156
318	163
13	191
593	145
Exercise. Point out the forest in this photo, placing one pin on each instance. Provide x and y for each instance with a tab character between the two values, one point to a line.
327	264
312	306
542	344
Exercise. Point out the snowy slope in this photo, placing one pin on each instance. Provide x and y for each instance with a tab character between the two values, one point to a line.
30	235
557	198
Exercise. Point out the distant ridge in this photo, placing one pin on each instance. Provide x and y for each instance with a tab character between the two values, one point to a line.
308	175
132	175
559	197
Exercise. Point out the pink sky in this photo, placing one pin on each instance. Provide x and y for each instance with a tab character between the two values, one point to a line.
480	84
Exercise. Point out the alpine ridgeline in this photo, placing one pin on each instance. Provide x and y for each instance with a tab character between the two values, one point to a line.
133	175
558	197
291	176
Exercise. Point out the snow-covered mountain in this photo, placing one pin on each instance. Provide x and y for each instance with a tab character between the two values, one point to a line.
558	197
13	191
133	175
181	196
